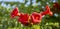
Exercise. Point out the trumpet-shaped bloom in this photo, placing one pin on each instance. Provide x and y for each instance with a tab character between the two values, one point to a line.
36	18
56	5
47	11
24	19
14	12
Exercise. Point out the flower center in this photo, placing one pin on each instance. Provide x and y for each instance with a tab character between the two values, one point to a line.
36	18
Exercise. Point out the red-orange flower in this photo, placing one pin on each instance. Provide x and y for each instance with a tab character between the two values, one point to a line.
47	11
36	18
14	12
24	19
56	5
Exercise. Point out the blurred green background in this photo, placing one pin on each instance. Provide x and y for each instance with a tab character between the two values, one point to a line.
28	6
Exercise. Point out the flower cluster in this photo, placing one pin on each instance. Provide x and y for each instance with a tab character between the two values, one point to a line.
31	19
